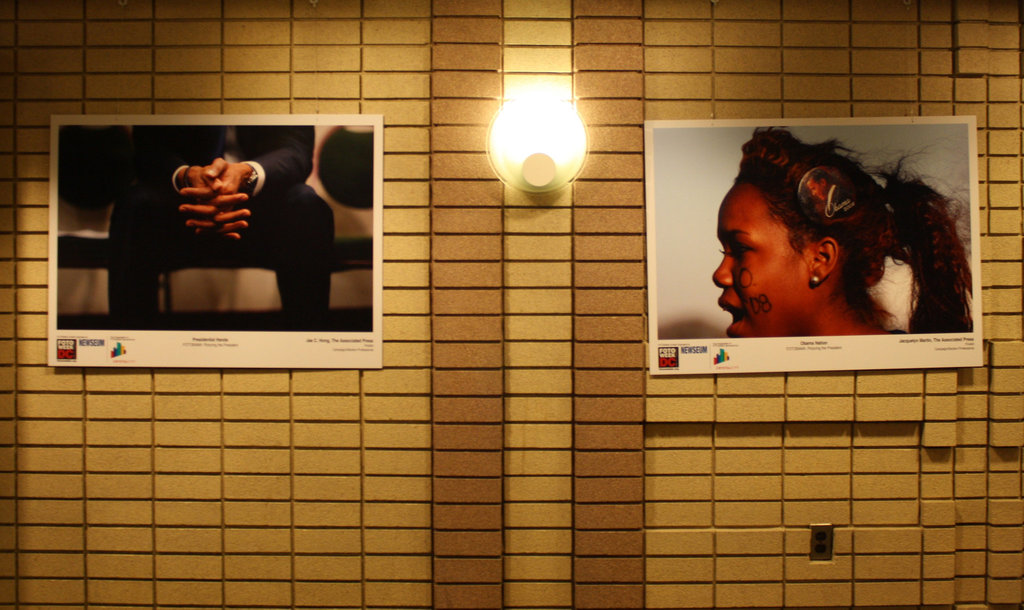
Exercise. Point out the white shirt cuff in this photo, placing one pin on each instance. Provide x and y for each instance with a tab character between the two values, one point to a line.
261	176
174	181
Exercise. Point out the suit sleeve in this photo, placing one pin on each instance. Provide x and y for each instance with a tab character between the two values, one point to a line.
284	152
162	149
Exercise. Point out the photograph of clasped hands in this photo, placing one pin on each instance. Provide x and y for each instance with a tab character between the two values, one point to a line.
219	192
175	223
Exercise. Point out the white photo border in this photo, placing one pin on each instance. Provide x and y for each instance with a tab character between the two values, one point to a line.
690	165
112	347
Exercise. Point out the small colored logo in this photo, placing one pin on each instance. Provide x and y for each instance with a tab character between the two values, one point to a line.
118	350
67	349
721	356
668	357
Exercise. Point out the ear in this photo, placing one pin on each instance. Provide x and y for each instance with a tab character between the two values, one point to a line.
823	257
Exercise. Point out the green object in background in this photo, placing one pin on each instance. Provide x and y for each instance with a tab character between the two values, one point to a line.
346	167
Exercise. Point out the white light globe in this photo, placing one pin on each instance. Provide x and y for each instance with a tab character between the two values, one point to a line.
537	144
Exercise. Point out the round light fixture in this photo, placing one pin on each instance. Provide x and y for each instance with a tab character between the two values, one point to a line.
537	144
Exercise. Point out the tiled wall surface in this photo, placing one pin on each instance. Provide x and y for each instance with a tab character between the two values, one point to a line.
513	452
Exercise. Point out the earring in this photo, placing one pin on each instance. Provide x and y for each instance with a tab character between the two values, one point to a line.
815	281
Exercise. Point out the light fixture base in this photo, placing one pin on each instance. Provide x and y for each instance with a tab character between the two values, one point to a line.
539	169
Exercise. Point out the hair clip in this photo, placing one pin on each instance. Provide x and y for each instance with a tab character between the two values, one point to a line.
825	194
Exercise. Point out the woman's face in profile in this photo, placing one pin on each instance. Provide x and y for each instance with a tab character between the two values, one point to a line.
764	281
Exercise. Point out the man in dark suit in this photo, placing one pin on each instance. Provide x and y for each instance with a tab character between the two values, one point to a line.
210	193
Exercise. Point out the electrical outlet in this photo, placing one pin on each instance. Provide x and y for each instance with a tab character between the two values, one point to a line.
821	542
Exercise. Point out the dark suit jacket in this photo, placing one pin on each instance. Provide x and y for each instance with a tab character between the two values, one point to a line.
284	151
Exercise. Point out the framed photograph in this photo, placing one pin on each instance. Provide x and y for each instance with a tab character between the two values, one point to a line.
215	241
805	245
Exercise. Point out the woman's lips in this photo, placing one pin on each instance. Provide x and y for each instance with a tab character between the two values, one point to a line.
735	311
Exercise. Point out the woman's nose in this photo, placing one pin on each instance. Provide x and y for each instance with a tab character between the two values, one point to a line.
722	277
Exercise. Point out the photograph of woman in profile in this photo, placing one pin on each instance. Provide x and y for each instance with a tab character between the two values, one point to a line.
807	233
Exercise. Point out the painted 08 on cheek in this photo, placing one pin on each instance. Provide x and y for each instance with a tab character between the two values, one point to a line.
759	273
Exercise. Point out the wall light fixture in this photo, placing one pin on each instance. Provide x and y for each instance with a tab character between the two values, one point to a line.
537	144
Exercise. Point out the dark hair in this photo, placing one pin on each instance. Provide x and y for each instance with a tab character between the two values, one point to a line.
897	216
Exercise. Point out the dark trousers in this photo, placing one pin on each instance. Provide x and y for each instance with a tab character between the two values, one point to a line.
290	233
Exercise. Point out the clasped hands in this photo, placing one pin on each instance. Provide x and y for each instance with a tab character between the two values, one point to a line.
215	195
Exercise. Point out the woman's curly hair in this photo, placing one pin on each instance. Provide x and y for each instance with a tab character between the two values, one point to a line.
896	216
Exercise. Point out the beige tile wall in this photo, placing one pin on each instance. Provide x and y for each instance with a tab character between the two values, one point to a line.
513	452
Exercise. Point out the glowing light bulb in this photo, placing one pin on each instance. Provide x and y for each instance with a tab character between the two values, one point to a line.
537	144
